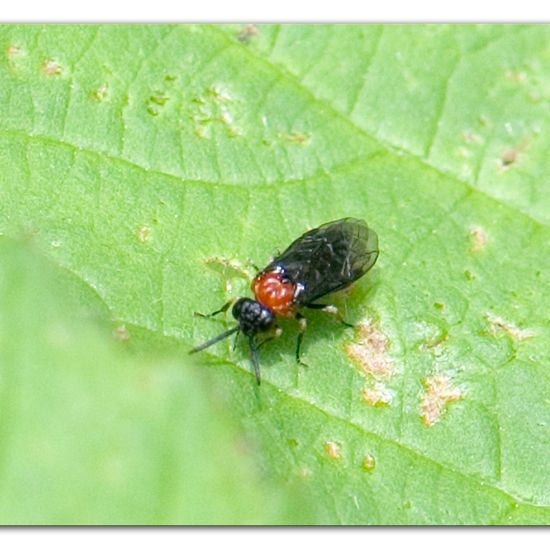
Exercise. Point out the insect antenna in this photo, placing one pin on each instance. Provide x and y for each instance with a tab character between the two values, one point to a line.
215	340
254	356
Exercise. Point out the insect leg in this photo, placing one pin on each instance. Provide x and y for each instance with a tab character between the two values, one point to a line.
333	310
223	309
302	326
251	263
254	357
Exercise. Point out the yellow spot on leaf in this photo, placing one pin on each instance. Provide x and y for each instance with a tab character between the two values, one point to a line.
332	450
368	463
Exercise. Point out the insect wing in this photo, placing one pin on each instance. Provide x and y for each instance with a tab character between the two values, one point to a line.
329	258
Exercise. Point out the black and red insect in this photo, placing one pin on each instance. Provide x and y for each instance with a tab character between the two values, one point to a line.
320	262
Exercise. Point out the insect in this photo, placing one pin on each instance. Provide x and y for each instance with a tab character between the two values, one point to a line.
320	262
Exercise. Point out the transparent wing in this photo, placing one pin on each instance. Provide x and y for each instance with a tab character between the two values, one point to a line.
329	258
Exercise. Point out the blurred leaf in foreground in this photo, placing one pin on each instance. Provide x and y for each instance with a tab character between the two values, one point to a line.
90	434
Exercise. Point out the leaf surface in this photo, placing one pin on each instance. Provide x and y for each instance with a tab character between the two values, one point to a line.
158	164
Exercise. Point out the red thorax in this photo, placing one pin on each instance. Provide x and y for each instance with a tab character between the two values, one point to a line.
275	293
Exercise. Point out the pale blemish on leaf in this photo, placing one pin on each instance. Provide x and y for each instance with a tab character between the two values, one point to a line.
51	67
13	53
247	32
227	118
101	93
511	156
121	333
220	93
234	131
368	463
471	137
498	325
438	392
378	395
213	107
293	137
508	157
332	450
369	350
478	238
463	152
515	76
296	138
201	128
144	234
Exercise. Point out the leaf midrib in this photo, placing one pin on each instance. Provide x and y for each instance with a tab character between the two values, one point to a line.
388	146
179	180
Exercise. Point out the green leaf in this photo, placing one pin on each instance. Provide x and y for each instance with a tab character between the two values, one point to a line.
158	164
